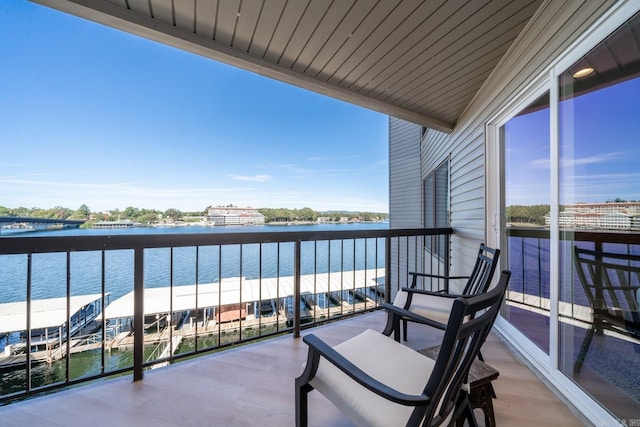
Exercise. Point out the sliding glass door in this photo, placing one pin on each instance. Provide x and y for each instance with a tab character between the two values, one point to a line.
569	192
599	192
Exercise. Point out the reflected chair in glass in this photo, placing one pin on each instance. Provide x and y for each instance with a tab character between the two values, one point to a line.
611	283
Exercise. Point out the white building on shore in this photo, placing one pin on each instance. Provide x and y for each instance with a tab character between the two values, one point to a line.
600	216
233	215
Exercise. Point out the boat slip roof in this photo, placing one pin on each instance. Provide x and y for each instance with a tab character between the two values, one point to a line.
228	291
45	313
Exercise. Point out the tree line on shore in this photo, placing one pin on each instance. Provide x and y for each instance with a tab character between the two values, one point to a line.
517	214
149	216
520	214
309	215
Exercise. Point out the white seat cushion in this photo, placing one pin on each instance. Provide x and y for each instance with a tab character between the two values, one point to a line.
389	362
430	306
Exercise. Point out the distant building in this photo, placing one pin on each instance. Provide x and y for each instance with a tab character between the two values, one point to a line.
114	224
604	208
233	215
600	216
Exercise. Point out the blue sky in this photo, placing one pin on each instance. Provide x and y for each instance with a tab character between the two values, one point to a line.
600	149
91	115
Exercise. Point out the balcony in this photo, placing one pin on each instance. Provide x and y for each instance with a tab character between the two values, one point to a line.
253	385
222	290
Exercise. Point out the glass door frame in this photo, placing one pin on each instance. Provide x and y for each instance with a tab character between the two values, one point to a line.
545	366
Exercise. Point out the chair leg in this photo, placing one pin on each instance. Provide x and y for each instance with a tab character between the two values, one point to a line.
491	390
392	326
584	348
597	325
302	405
464	412
404	329
471	417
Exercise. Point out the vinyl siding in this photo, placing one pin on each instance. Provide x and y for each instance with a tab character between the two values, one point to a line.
405	196
404	174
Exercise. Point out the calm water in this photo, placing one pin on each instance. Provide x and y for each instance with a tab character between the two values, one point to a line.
49	271
49	278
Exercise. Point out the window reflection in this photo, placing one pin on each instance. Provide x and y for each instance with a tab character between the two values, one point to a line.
599	324
526	158
436	207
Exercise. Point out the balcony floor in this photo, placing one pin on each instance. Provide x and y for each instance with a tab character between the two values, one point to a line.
252	386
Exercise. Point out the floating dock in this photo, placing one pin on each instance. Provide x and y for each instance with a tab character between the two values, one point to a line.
240	290
174	313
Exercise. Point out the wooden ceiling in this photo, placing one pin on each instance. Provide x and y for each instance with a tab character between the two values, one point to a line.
422	61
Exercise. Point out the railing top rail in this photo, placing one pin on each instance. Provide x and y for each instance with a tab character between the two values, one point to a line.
603	236
22	245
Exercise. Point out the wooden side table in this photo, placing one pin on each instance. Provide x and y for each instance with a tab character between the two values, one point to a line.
481	394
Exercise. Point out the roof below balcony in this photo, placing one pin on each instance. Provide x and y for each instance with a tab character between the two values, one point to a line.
418	61
45	313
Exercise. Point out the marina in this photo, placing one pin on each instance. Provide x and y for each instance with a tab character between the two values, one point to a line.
48	323
173	314
20	225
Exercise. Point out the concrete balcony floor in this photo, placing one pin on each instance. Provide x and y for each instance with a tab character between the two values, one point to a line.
253	385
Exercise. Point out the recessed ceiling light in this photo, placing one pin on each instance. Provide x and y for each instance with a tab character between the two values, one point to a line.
583	72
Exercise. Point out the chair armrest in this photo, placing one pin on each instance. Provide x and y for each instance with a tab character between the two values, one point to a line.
619	288
434	293
319	347
401	313
434	276
437	276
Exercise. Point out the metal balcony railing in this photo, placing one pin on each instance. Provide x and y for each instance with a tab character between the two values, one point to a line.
150	300
528	256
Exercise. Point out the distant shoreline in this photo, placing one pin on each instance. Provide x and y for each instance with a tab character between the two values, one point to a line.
116	224
317	223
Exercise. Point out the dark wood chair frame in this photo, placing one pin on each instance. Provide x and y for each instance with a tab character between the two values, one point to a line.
469	324
477	282
608	282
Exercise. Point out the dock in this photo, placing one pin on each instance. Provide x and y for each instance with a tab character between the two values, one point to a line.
240	290
223	310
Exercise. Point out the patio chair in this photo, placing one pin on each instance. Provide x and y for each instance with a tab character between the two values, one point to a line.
611	283
433	307
376	381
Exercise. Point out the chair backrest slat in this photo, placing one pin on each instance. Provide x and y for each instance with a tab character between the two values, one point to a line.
483	271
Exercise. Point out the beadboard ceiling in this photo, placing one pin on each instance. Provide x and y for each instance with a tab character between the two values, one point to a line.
422	61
